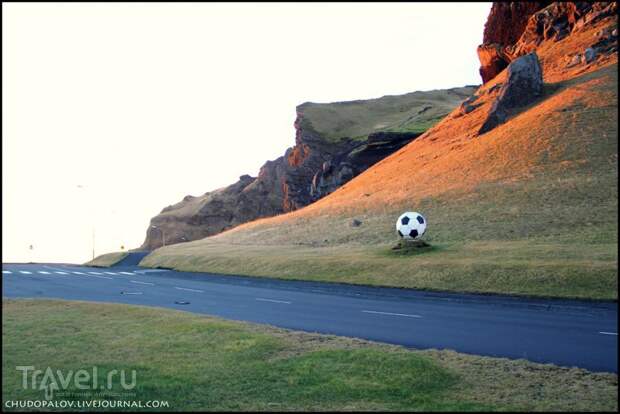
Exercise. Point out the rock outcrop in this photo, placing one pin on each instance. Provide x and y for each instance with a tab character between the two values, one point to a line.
333	143
346	165
524	84
514	29
505	25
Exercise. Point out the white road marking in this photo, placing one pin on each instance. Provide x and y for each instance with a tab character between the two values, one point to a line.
53	268
25	272
142	283
151	271
8	272
110	273
609	333
392	314
273	300
43	272
131	293
101	277
94	273
127	273
191	290
60	273
78	273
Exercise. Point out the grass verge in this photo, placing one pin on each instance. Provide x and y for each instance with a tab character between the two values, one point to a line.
107	260
203	363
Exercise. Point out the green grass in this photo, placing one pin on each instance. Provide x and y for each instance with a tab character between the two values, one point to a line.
530	248
107	260
413	112
518	268
203	363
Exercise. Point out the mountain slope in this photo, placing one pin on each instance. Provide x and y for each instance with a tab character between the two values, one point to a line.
527	208
334	143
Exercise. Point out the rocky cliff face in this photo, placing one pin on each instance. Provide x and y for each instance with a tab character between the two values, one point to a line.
346	165
514	29
327	154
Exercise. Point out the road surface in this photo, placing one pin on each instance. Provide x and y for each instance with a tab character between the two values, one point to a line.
566	333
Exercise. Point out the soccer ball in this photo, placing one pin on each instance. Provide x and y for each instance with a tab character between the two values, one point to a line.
411	225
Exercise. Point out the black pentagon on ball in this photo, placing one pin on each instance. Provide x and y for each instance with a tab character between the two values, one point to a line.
400	234
404	220
413	233
420	219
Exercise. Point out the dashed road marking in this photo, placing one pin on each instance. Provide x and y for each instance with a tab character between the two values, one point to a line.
127	273
609	333
101	277
273	300
78	273
142	283
43	272
152	271
191	290
131	293
7	272
53	268
94	273
392	314
110	273
61	273
25	272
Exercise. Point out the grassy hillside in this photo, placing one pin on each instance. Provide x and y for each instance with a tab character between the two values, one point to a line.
528	208
107	260
412	112
200	363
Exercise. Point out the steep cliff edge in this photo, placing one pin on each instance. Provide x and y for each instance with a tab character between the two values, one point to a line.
514	29
333	143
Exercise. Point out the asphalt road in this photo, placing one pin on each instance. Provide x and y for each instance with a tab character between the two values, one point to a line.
566	333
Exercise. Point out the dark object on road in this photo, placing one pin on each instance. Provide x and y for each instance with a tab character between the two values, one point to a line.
181	302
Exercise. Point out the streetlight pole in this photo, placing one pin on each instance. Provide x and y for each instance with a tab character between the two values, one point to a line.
163	235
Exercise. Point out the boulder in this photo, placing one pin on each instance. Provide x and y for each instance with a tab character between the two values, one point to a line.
524	84
589	55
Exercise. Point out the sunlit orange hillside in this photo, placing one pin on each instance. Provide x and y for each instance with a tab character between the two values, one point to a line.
529	207
578	109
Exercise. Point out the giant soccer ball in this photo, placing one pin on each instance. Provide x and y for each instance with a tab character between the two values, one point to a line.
411	225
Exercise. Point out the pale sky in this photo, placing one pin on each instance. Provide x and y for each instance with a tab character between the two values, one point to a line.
144	103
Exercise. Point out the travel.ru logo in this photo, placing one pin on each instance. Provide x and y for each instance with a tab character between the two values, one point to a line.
51	381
